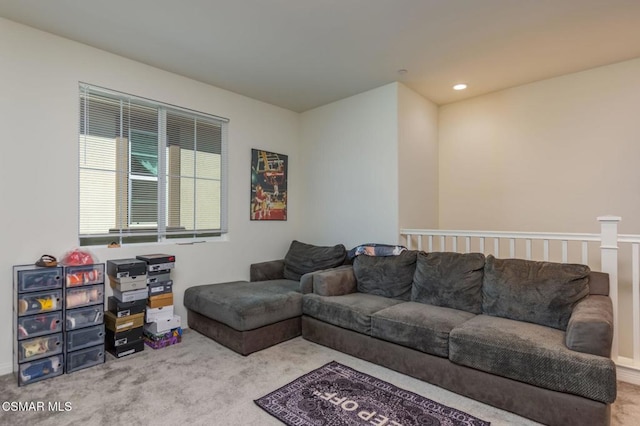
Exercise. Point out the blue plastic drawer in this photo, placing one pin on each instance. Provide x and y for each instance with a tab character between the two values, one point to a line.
41	369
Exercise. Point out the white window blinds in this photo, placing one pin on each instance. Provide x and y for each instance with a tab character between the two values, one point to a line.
148	171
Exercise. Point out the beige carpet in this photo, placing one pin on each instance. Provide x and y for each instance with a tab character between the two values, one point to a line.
199	382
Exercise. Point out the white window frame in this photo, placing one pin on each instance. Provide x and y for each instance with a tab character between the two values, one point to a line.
124	231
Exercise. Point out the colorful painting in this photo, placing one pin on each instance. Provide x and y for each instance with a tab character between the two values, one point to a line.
268	185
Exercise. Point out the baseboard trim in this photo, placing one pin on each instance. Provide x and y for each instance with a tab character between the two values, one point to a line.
627	371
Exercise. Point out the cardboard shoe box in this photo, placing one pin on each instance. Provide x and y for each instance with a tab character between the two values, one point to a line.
160	300
121	324
163	313
114	339
130	296
162	326
123	268
124	309
162	340
128	349
160	288
129	283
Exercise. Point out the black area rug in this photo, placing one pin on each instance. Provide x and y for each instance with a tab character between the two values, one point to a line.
338	395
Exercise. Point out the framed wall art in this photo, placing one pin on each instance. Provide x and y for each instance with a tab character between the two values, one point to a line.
268	185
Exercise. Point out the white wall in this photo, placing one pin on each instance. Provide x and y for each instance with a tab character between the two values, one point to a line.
417	160
38	186
349	179
547	156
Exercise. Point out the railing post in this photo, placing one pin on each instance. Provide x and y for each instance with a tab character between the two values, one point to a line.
609	265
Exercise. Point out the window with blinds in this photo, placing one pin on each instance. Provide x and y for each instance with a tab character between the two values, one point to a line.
148	171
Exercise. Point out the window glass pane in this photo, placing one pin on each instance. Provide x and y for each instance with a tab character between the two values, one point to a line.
144	153
144	202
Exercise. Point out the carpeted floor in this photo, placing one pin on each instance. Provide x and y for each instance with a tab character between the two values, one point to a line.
199	382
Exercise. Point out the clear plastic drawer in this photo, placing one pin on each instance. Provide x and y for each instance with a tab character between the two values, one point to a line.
39	347
84	296
41	369
37	325
85	358
76	276
84	317
36	303
37	279
84	337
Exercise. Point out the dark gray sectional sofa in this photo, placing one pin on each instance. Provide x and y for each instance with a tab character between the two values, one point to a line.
533	338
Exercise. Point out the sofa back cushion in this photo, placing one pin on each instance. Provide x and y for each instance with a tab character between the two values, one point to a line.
388	276
538	292
304	258
451	280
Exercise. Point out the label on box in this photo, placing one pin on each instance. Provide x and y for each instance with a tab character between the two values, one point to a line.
161	267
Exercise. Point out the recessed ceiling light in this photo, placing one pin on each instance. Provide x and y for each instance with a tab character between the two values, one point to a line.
460	86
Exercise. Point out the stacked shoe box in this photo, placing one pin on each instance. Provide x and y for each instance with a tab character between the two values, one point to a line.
124	319
162	327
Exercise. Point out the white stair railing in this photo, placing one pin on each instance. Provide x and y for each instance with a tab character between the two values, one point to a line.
563	247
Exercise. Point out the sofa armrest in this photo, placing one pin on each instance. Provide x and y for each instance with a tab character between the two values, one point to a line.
264	271
335	282
590	328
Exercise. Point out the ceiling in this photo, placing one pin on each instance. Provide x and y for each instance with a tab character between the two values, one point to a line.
300	54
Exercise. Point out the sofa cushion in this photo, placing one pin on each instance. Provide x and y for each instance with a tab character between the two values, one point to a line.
590	327
388	276
304	258
539	292
246	305
418	326
533	354
351	311
334	282
452	280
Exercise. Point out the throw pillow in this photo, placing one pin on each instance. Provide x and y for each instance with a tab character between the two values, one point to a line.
388	276
451	280
304	258
539	292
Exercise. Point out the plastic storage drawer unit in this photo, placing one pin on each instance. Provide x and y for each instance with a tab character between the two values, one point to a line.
39	279
39	347
41	369
84	317
85	337
39	324
85	358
